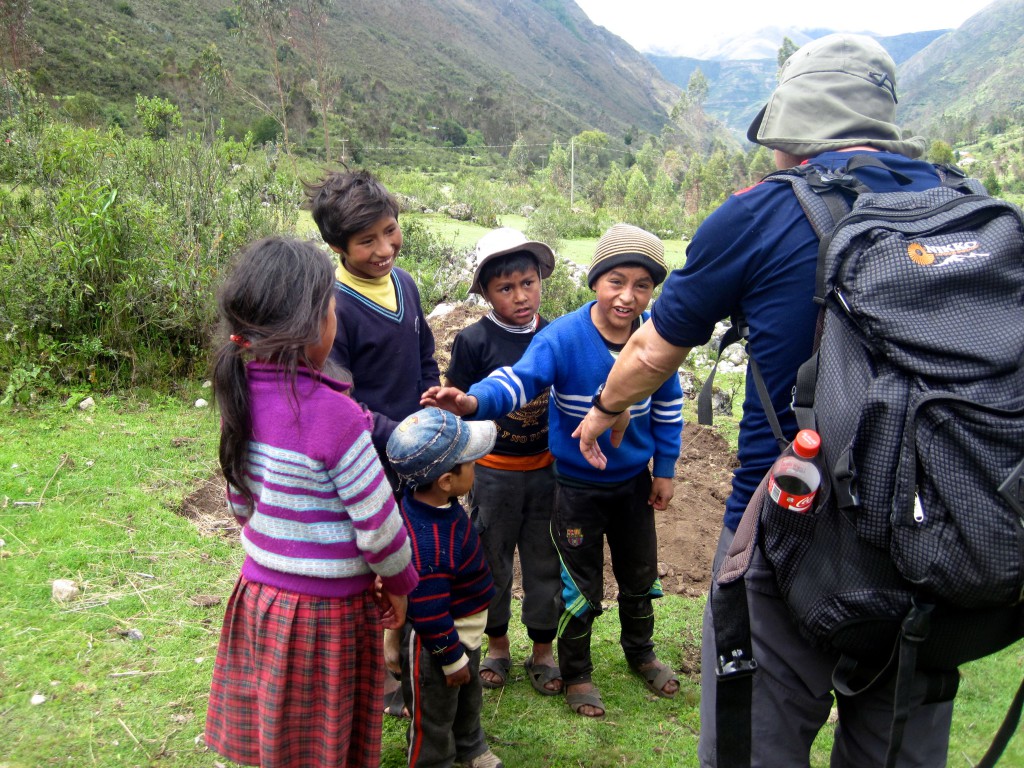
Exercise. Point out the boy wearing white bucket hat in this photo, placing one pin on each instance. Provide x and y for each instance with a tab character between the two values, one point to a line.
513	494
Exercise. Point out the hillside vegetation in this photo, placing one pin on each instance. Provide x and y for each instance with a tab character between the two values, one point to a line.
373	73
117	218
969	79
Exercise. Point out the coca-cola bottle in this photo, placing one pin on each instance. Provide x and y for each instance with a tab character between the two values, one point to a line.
796	474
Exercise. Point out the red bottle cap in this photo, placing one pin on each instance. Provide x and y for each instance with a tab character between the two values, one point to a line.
807	443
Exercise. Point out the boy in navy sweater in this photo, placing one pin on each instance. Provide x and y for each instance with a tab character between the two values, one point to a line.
572	356
433	453
383	338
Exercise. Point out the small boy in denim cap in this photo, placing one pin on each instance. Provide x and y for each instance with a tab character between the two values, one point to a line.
433	451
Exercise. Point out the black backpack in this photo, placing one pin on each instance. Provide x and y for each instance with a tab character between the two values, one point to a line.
913	557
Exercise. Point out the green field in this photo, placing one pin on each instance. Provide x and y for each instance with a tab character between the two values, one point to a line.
120	676
464	234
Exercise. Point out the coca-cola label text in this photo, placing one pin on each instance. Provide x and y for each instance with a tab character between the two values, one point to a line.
799	503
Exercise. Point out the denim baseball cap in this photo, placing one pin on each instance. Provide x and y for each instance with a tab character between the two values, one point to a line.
433	441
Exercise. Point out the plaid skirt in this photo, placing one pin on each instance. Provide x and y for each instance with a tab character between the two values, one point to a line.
299	680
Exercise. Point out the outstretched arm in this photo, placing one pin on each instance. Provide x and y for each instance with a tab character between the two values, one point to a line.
644	364
451	399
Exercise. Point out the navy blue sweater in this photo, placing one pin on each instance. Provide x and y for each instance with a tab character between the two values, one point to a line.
390	354
455	580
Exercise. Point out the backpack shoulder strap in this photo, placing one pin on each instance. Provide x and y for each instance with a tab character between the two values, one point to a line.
824	202
824	196
738	332
954	177
734	655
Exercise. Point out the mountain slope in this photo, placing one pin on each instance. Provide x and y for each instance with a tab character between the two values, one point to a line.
541	62
533	67
968	76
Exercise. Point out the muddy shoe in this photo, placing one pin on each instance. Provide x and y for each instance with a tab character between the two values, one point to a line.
485	760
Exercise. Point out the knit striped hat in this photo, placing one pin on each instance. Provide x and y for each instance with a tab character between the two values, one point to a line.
626	244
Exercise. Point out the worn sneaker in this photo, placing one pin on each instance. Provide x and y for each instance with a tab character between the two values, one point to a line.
486	760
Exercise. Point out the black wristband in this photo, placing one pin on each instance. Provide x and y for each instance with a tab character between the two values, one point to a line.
596	402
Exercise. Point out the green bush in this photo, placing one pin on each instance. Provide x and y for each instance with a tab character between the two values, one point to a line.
562	293
554	220
111	249
431	261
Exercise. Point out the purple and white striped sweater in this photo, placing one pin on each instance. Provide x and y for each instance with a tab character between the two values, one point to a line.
325	521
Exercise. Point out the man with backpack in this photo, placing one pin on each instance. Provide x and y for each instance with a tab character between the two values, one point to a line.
756	257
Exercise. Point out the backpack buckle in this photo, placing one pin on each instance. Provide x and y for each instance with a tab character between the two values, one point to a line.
735	664
918	622
838	180
1012	490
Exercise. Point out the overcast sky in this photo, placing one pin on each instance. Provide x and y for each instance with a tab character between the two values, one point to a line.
684	29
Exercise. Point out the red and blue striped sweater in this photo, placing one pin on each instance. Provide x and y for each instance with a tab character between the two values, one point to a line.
455	580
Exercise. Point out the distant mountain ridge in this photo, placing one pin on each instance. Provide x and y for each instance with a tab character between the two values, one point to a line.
539	69
765	43
968	78
741	71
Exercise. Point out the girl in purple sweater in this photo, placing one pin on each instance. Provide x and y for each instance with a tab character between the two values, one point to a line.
328	561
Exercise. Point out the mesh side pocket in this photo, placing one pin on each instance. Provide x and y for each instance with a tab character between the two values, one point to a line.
786	536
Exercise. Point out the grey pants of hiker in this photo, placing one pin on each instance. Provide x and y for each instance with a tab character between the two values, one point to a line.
792	695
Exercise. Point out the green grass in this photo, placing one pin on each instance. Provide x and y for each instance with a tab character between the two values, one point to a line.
95	496
526	729
464	235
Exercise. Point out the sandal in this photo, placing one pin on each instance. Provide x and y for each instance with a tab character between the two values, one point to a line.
496	666
656	675
394	704
580	699
540	675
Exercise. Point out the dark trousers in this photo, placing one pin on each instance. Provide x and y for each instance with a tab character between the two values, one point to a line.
792	694
584	517
513	510
445	725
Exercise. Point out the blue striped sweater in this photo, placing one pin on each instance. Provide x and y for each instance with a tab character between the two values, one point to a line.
455	580
570	356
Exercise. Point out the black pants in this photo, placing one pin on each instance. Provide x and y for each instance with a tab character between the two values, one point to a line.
584	517
445	726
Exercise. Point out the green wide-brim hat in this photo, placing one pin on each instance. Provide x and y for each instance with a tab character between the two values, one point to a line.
835	92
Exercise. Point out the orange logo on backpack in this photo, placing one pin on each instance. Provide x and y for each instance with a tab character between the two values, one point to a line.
943	254
919	254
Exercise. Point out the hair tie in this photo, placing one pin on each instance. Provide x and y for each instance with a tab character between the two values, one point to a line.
240	341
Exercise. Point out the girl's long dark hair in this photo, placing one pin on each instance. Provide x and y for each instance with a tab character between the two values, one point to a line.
271	307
